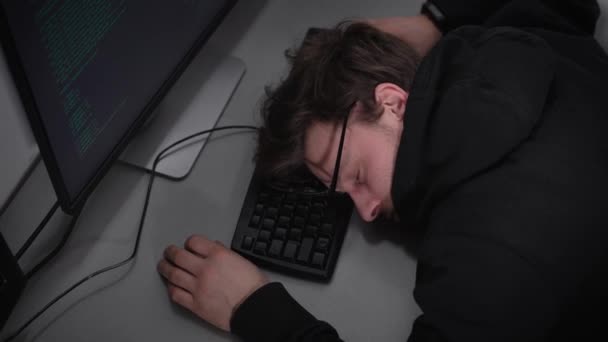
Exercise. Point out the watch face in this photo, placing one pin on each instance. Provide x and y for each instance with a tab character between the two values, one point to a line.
432	12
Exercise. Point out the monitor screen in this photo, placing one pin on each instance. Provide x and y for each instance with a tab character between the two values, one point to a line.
91	71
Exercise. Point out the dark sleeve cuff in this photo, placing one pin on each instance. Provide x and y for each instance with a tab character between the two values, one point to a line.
269	314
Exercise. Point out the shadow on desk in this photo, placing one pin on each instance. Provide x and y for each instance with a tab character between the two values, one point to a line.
395	233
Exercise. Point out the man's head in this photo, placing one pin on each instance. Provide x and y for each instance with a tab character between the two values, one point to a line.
352	70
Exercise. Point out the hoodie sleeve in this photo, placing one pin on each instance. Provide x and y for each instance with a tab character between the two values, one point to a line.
270	314
473	289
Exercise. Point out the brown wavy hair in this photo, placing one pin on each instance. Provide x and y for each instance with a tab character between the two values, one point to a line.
330	71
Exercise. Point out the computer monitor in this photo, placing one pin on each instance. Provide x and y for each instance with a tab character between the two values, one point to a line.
91	72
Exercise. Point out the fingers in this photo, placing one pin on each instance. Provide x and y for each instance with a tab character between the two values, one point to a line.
184	259
176	276
201	245
181	297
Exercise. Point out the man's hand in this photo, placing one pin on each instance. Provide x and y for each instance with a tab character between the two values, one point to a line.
209	279
418	31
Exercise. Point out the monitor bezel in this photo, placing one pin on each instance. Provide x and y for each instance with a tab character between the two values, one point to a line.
72	205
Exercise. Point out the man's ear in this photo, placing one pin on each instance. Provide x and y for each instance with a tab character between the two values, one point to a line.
393	98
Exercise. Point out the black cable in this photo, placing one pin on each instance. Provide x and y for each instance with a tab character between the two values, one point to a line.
56	250
36	232
139	231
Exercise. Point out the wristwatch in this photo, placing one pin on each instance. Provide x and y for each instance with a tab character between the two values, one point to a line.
434	13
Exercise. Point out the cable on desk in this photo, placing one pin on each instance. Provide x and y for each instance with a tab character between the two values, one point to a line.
36	232
142	219
56	250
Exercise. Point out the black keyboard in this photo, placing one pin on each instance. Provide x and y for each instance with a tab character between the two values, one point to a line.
291	228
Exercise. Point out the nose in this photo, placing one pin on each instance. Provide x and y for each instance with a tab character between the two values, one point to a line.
368	208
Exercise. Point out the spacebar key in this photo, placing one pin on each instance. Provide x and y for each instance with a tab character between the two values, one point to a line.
305	250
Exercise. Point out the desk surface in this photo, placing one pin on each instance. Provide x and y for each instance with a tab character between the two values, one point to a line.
369	297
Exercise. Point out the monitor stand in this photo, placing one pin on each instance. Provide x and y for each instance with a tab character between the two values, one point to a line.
194	103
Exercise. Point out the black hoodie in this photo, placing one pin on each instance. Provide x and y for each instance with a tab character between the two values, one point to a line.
503	165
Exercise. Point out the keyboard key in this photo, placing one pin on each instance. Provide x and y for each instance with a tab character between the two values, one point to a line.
295	235
302	211
275	248
327	229
247	242
287	210
290	250
314	219
268	224
260	248
309	190
275	199
318	259
264	235
320	202
280	233
305	250
283	222
310	230
299	222
255	221
322	244
272	213
291	198
317	208
259	209
263	197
